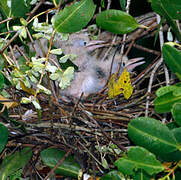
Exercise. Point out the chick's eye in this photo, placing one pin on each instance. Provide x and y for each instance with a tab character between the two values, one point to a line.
123	64
99	73
80	42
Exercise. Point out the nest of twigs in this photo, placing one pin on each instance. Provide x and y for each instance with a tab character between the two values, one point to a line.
84	127
88	128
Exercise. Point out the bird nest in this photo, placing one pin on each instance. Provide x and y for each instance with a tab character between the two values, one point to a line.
94	128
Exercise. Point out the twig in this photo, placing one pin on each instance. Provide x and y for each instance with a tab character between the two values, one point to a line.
150	84
146	49
58	164
110	139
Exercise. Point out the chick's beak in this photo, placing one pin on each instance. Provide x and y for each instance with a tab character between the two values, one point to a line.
133	63
94	44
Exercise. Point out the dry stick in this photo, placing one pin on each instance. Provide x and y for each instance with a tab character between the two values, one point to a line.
124	39
146	49
58	164
76	105
8	19
150	84
154	70
164	66
60	161
17	33
110	139
21	52
109	49
13	56
9	42
90	154
139	34
161	44
131	104
143	73
31	39
35	9
108	4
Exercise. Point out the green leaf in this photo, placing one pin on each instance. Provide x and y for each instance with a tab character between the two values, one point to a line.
177	134
1	80
113	175
14	162
173	8
64	58
19	8
123	4
172	58
141	175
65	79
172	125
176	113
16	175
177	173
69	167
116	21
43	89
152	135
3	136
56	51
73	18
22	64
165	102
165	89
163	8
5	8
139	158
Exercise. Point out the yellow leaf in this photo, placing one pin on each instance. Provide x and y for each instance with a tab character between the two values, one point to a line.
26	89
111	86
8	104
122	85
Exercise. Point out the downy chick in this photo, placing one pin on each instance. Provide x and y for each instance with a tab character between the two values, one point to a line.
93	73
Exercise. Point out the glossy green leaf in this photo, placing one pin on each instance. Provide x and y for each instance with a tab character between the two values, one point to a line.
139	158
116	21
152	135
176	113
172	8
165	89
4	8
164	103
74	17
69	167
113	175
177	134
167	9
19	8
177	173
14	162
172	58
123	4
3	136
1	80
176	155
172	125
141	175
